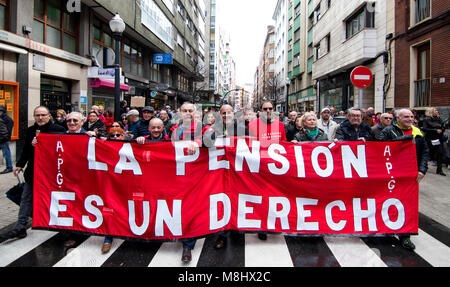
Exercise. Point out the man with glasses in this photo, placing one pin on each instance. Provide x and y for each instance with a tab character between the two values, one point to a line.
74	123
385	121
354	129
42	125
267	129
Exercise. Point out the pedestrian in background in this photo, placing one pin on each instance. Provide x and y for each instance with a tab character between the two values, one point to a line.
6	128
94	126
42	124
434	133
385	121
328	125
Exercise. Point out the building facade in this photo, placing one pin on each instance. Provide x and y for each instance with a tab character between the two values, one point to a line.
347	34
302	95
421	42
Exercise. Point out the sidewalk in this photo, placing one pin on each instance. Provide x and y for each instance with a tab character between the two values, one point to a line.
434	198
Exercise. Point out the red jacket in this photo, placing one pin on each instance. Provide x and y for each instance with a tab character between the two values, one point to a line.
267	133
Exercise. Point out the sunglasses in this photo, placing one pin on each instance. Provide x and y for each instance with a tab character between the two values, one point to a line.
115	135
72	120
267	109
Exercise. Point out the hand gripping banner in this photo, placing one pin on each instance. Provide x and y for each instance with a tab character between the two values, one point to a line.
158	191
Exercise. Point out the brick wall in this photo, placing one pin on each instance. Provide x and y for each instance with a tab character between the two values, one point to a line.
437	33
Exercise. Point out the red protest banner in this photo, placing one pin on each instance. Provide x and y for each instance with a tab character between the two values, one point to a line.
157	191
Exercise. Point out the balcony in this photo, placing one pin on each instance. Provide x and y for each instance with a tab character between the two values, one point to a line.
422	93
351	52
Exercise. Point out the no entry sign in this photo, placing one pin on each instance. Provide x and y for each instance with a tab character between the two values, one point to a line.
361	77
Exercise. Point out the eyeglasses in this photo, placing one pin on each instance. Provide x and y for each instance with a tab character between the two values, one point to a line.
115	126
389	119
40	115
267	109
72	120
115	135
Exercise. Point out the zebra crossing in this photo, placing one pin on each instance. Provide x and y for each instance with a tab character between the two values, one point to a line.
46	249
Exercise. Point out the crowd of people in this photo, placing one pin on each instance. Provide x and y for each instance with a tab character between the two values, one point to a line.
203	127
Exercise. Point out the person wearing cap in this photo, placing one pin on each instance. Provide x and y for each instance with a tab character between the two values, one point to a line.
327	124
148	113
7	124
133	121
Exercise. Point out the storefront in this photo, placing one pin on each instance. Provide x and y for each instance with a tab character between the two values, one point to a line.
103	93
336	91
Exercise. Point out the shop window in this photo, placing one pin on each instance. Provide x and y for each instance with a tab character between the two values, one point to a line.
54	26
9	97
4	15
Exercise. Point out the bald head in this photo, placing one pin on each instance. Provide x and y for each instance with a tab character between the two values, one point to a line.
156	128
405	118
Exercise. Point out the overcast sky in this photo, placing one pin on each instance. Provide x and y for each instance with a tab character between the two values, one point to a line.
246	21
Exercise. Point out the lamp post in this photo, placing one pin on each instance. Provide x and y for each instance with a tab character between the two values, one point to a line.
288	83
117	27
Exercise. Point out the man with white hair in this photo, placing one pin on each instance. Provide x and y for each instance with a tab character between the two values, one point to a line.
405	130
74	123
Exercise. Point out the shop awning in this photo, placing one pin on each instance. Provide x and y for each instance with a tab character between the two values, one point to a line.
102	83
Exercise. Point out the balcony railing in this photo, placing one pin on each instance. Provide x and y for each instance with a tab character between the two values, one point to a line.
422	93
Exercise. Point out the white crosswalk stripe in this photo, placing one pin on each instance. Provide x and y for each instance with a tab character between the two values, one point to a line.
11	250
89	253
273	252
353	252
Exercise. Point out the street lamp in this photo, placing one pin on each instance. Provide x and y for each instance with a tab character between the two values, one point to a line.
288	83
117	27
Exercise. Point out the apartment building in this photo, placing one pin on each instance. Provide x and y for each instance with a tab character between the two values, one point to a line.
266	84
420	47
280	19
302	95
49	50
347	34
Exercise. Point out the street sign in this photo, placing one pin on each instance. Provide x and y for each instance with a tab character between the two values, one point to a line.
162	59
361	77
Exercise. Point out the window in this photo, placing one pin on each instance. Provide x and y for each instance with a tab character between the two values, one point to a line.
132	58
102	40
54	26
359	21
155	74
4	15
422	10
422	84
9	97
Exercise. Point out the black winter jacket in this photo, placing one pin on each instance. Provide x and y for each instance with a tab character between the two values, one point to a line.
346	132
394	133
27	156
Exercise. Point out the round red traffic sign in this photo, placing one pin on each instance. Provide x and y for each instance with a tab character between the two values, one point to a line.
361	77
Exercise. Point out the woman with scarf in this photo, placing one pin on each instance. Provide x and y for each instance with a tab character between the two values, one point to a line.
310	131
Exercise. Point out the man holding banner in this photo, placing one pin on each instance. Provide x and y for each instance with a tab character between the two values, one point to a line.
188	129
405	130
42	125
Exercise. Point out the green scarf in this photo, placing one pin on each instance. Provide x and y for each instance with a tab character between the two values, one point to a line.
311	135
